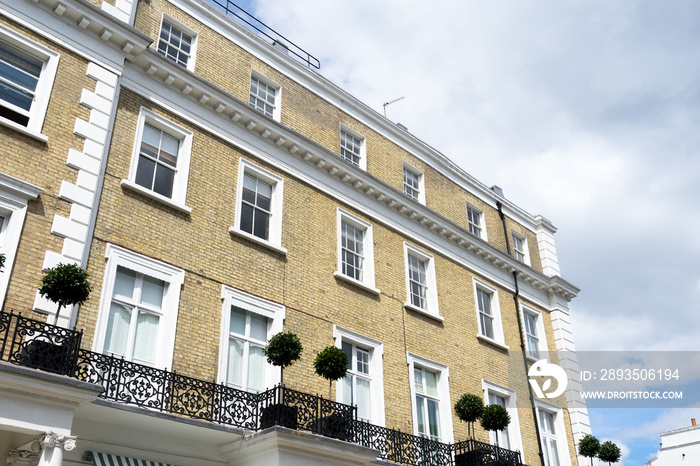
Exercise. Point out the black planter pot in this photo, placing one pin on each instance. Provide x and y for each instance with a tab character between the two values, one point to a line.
335	426
47	356
279	414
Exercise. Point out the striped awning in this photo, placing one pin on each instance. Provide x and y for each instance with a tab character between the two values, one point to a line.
106	459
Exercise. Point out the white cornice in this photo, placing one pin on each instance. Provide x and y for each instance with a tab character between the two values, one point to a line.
319	85
279	141
81	15
19	188
223	110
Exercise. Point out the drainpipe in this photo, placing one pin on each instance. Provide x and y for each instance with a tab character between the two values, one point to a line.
520	332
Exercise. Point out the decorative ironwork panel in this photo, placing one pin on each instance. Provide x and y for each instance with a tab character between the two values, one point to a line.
475	453
371	436
191	397
236	407
306	407
42	346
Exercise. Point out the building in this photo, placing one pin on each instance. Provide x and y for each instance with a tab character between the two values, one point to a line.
219	190
680	446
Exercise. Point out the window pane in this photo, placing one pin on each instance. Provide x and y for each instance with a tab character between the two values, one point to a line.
235	362
420	414
363	398
150	141
258	327
433	419
169	150
152	292
146	338
117	329
163	183
418	379
144	172
256	369
362	360
431	383
347	349
247	218
249	188
487	325
262	225
124	282
15	96
237	322
347	390
554	452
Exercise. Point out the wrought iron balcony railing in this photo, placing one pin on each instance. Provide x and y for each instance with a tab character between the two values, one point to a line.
39	345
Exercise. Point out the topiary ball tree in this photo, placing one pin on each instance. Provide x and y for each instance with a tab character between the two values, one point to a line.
66	285
588	447
331	364
468	409
609	452
282	350
494	419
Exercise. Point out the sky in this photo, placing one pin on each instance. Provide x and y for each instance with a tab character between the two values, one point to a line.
585	112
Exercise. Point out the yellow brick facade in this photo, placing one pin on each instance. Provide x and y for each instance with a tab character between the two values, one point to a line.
302	280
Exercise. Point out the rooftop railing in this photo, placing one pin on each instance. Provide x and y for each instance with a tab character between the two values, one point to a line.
36	344
276	39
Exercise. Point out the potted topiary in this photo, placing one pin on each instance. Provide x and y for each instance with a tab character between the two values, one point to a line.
2	261
66	285
468	409
609	452
588	447
332	364
494	419
282	350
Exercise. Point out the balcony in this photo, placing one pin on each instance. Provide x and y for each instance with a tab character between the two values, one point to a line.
49	348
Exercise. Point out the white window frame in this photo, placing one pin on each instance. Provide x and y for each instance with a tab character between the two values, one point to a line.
367	282
514	436
482	223
376	356
174	278
184	29
541	336
274	240
37	111
525	253
277	108
15	194
431	296
274	312
498	338
443	374
177	201
560	431
421	183
363	143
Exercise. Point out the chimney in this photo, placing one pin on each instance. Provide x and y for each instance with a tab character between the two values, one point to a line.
692	421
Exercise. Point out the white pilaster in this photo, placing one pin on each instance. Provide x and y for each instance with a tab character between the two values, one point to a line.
82	193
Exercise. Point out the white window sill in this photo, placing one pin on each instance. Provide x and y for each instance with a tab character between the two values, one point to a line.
24	130
357	283
155	196
492	342
255	239
425	312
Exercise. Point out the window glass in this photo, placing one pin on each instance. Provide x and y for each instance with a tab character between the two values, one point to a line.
174	44
350	147
262	96
485	313
256	207
417	281
351	244
411	184
19	77
157	161
134	316
533	342
246	361
474	220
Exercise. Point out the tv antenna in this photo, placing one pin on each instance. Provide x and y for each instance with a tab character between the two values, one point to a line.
389	103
